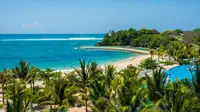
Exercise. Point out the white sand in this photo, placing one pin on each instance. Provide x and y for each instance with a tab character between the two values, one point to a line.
134	61
121	64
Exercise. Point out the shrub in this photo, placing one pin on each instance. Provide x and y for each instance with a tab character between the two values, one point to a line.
149	64
167	62
184	62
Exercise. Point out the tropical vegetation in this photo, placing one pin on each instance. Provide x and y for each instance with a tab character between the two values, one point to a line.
151	38
97	89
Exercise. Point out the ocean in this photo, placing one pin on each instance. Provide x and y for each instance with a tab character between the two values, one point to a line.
56	51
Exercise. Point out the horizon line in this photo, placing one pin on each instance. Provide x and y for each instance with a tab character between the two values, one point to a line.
46	33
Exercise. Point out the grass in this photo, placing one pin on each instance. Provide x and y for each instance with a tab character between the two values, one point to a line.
1	106
167	62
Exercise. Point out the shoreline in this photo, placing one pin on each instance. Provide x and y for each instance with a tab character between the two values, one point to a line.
130	49
119	64
123	63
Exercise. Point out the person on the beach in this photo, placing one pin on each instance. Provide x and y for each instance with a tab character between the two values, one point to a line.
133	59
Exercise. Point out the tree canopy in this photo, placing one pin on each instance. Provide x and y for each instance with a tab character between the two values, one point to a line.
148	37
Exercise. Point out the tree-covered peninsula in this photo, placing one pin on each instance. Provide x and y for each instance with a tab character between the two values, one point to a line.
151	38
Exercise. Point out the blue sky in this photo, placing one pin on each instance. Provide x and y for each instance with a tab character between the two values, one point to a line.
96	16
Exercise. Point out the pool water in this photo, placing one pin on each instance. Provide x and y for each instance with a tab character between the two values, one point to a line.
180	72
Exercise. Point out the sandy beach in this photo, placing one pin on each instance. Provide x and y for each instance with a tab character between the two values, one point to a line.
115	48
134	61
121	64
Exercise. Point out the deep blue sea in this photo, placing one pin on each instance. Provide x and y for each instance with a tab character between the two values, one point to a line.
56	51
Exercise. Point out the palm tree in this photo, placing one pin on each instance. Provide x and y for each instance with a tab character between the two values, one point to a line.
22	71
129	91
100	89
160	52
85	75
33	74
191	51
4	78
19	96
156	84
58	92
195	79
152	53
46	75
99	95
177	50
110	72
174	49
178	98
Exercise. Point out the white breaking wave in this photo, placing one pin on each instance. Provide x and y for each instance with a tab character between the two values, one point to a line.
52	39
85	39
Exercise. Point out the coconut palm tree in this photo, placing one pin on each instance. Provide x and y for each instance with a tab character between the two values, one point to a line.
19	96
4	80
192	51
156	84
46	75
177	50
85	75
100	89
109	73
178	98
160	52
99	95
22	71
129	91
58	92
33	75
152	53
194	84
174	49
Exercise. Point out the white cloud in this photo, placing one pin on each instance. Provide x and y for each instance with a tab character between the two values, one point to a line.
32	25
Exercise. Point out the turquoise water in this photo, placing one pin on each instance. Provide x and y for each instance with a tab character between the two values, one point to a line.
56	51
180	72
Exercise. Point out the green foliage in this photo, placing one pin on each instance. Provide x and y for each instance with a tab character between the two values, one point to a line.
178	31
149	37
21	71
156	84
149	63
179	51
167	62
151	41
20	97
196	79
129	91
100	90
196	30
125	37
1	106
184	62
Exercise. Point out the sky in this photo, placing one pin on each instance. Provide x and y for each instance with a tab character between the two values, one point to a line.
96	16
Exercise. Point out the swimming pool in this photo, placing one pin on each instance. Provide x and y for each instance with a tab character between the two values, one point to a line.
180	72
